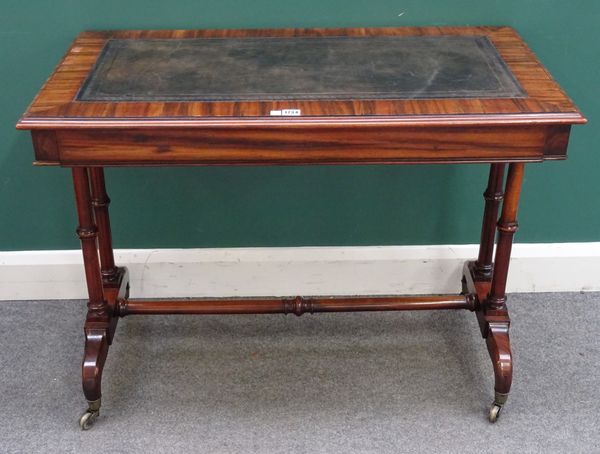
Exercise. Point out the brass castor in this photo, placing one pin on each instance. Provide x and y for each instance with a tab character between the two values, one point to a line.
499	402
91	414
495	413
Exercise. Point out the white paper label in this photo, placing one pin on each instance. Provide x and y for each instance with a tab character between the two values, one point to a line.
286	113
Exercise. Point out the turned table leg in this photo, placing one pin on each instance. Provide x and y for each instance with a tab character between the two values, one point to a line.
488	281
99	315
493	196
496	319
100	202
114	279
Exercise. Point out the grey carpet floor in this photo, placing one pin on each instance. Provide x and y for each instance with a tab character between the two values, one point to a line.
328	383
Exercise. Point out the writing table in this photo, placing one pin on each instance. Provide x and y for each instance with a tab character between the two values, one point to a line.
299	96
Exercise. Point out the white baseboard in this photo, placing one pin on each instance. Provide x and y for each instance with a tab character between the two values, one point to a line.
371	270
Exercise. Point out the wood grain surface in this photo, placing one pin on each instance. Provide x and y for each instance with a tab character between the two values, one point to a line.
56	107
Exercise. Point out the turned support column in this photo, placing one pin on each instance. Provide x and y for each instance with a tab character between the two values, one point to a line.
100	203
88	234
493	195
507	227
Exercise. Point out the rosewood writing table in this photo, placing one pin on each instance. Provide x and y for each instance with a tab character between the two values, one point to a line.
304	96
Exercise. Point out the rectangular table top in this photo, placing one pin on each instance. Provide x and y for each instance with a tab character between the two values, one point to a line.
427	76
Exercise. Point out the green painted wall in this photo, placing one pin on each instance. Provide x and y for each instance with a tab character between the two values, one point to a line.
289	206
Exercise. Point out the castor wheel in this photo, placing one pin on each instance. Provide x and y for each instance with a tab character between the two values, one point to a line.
87	419
499	401
495	413
91	414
